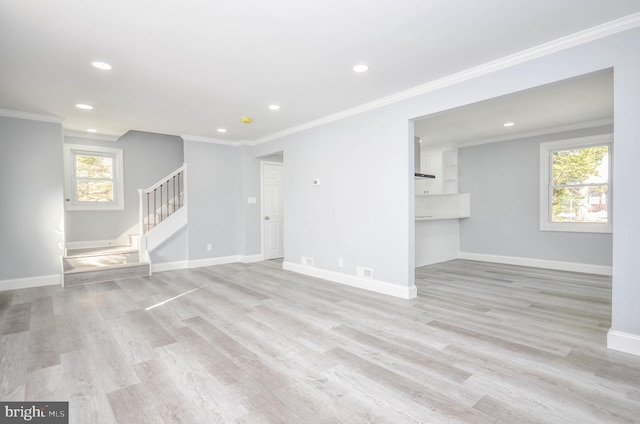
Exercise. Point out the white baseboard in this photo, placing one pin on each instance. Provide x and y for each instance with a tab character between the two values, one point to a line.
623	342
27	283
396	290
251	258
169	266
539	263
221	260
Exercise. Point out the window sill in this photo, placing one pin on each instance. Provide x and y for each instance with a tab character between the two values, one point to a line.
577	227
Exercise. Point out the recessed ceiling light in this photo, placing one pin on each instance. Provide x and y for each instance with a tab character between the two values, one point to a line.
222	130
102	65
274	107
92	130
84	107
508	124
361	68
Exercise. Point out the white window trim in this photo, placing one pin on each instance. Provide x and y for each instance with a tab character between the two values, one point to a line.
71	204
546	224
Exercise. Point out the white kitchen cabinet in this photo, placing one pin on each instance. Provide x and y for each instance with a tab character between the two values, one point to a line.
442	206
443	163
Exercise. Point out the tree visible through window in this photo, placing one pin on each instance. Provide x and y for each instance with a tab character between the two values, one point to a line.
575	185
580	181
94	178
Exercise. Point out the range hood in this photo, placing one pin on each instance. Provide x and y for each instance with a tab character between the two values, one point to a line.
417	156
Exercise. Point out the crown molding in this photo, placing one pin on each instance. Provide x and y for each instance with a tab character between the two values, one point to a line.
524	134
91	136
210	140
578	38
31	116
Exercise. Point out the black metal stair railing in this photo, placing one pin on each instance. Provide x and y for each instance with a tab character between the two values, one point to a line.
161	200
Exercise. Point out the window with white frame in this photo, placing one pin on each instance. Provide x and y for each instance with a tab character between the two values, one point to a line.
576	185
93	178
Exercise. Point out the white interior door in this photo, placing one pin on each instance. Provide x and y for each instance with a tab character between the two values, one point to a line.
272	210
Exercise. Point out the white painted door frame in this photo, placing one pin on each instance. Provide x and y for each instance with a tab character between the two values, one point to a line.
264	237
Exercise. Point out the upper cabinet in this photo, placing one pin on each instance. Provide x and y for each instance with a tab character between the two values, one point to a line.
443	163
438	198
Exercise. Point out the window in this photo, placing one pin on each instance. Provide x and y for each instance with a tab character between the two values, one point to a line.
93	178
575	185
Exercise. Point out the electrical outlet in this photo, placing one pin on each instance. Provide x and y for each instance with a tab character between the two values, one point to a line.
209	247
340	262
306	261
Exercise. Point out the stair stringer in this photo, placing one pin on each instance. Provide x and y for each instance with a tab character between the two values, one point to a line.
162	231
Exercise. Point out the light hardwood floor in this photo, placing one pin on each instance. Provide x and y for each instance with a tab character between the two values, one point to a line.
250	343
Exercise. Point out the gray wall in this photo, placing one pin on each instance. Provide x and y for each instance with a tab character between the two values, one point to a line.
626	225
363	210
360	211
503	179
147	158
31	223
214	192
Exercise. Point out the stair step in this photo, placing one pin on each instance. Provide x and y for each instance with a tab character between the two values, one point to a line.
111	250
95	261
106	273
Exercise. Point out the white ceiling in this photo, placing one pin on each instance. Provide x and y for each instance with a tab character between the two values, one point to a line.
575	103
189	67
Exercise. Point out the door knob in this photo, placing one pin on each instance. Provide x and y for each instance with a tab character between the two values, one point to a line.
266	218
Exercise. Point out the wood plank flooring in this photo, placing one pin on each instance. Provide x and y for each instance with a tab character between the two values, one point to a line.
251	343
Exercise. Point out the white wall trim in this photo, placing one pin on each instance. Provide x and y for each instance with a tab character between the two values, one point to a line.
539	263
31	116
186	264
527	134
251	258
91	136
396	290
572	40
200	139
623	342
166	228
29	282
169	266
221	260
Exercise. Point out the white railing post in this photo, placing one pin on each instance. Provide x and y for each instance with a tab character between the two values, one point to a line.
144	255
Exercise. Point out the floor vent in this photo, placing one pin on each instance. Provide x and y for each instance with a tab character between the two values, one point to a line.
363	272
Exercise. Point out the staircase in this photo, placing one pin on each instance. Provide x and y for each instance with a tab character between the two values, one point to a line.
162	213
83	266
